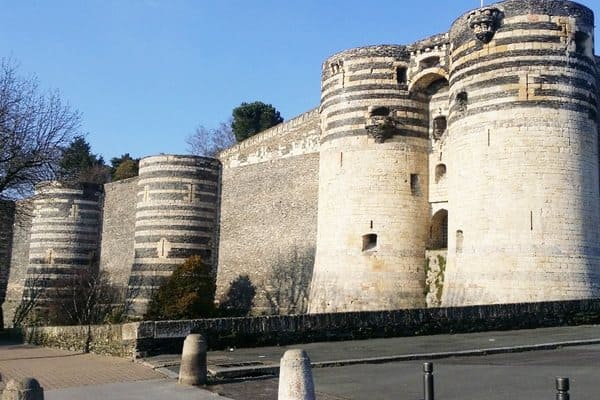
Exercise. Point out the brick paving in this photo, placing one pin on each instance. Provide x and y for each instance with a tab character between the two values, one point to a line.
56	369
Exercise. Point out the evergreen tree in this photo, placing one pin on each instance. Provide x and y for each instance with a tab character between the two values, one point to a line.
252	118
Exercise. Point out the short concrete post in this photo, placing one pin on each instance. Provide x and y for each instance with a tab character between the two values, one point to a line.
295	376
193	361
25	389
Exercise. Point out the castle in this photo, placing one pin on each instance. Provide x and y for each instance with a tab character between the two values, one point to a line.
461	169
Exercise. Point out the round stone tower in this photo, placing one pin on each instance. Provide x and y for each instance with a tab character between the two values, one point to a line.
373	184
176	217
523	143
64	237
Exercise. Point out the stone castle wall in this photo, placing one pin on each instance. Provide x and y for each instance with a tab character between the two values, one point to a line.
268	217
475	149
19	259
523	147
118	230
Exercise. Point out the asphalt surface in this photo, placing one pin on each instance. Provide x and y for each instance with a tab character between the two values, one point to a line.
242	362
526	376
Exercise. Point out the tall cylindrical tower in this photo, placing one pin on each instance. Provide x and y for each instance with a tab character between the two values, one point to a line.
373	183
176	217
523	142
64	237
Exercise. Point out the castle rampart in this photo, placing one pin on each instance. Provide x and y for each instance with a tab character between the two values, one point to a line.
523	145
176	217
460	169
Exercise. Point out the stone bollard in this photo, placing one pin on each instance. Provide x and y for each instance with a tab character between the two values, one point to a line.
193	361
295	376
25	389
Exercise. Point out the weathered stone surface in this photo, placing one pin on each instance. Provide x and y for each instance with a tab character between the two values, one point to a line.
193	361
295	376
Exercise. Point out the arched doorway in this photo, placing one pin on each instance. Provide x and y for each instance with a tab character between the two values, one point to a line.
438	231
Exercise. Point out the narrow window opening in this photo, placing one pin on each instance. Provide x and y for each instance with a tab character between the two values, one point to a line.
341	159
369	242
379	112
459	241
581	42
462	100
440	172
415	185
439	126
371	224
401	75
531	220
488	132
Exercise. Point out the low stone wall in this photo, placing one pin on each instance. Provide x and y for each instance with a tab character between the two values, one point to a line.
162	337
103	339
158	337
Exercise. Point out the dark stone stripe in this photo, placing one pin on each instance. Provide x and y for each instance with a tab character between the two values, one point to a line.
380	75
54	270
353	121
369	96
211	163
547	79
395	107
174	228
200	175
184	186
191	207
76	230
556	105
46	241
567	96
173	239
156	281
174	253
369	87
73	250
512	40
175	217
521	62
208	198
329	85
362	132
374	65
61	260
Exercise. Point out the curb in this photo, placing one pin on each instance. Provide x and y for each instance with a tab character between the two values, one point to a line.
220	374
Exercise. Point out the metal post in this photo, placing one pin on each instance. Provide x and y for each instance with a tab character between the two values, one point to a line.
562	388
428	381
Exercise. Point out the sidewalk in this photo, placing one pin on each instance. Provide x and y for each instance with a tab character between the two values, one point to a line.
237	363
74	375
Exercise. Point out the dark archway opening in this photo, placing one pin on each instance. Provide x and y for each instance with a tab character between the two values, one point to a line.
438	231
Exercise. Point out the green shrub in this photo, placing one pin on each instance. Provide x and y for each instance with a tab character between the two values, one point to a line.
188	293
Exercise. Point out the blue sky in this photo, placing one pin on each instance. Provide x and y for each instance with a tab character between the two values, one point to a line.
145	73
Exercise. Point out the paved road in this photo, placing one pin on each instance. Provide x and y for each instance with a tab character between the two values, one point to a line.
525	376
223	362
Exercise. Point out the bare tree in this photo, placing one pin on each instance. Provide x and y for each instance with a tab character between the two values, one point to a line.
289	282
34	127
208	142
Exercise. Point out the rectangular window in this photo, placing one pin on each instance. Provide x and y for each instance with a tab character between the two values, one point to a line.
415	185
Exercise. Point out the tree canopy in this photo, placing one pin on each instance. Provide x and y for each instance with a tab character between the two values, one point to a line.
252	118
78	163
124	167
35	126
188	293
